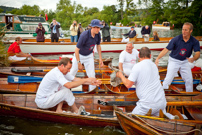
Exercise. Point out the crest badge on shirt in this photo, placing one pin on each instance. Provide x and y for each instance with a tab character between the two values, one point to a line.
183	52
133	61
91	47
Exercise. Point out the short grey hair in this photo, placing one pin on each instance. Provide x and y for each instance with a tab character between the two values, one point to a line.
131	43
190	24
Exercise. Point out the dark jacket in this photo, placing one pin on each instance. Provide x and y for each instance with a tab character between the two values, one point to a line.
156	38
40	34
57	29
145	31
132	35
105	30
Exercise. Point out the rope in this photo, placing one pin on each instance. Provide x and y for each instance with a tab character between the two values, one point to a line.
194	130
115	81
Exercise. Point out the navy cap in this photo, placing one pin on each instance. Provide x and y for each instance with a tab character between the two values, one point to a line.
132	27
96	23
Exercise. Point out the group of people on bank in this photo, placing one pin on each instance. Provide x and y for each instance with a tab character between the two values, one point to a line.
55	86
75	31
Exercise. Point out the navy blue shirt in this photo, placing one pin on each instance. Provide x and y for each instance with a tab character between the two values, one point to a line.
87	43
180	49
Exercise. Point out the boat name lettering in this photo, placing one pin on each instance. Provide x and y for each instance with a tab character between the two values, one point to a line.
5	108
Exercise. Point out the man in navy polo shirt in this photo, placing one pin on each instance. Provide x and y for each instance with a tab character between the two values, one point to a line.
84	51
181	48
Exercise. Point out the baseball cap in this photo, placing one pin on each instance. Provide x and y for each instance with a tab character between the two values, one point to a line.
96	23
132	27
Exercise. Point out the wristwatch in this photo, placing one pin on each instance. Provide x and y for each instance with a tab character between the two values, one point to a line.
79	61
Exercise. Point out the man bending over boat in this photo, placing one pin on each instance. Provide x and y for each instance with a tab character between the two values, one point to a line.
181	48
15	52
127	58
84	51
145	77
55	87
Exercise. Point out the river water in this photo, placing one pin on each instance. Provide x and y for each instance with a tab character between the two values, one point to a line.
20	126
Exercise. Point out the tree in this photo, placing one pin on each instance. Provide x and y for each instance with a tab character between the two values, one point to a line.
1	10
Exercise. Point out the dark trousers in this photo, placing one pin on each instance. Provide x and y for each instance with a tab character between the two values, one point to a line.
54	37
106	38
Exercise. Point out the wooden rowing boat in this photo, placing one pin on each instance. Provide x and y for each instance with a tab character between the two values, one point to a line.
33	40
102	73
48	48
23	105
136	124
40	62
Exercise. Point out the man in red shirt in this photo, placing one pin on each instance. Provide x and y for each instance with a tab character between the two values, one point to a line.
15	52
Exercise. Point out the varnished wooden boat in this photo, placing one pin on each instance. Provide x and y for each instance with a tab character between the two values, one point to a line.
148	125
23	105
33	40
5	86
43	48
40	62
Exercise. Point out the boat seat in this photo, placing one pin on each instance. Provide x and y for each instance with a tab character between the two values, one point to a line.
133	39
196	113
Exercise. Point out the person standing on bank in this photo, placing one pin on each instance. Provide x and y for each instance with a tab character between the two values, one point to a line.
145	77
55	34
181	48
84	51
105	32
55	87
74	30
40	33
80	30
145	30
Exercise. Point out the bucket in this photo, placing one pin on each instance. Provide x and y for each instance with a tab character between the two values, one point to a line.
146	37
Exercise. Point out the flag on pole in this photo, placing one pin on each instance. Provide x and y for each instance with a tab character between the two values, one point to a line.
46	17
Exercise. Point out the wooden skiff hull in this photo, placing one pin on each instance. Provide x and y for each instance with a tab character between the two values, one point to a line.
136	125
23	105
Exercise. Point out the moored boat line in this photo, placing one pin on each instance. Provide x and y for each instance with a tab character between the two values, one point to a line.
48	48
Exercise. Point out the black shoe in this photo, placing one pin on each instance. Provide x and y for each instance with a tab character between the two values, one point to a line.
83	112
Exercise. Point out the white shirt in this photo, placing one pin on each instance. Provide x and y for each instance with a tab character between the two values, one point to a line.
146	78
52	82
128	60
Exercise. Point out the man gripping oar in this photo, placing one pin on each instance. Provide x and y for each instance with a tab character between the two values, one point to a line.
55	87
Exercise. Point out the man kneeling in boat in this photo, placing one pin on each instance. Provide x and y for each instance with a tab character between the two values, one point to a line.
15	52
127	58
145	77
55	87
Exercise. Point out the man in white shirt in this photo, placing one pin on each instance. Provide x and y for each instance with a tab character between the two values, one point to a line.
127	58
55	87
145	77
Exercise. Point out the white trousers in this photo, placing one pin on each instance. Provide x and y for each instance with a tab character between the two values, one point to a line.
127	71
63	94
143	108
174	66
125	39
88	62
16	58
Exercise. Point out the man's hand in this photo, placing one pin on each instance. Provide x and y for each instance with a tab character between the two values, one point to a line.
157	62
80	66
101	63
94	81
191	60
119	74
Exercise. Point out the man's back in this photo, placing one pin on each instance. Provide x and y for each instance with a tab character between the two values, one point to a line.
148	86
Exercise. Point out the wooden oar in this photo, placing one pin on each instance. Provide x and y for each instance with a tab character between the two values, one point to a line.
47	70
180	81
29	70
126	103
